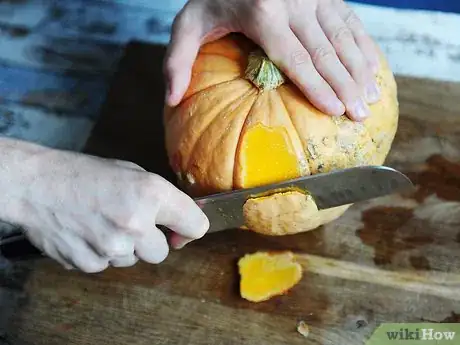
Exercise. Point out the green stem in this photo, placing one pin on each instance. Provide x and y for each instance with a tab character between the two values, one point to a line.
262	72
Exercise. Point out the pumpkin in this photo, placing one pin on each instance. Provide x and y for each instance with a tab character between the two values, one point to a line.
243	124
265	275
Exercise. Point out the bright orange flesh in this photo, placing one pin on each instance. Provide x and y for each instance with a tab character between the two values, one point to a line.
265	275
267	156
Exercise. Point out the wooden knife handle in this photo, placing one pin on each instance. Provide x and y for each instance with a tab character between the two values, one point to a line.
17	247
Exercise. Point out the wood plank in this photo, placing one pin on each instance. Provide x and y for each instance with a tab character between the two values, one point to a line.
416	43
192	297
60	54
103	20
75	95
77	35
171	5
110	21
27	14
44	127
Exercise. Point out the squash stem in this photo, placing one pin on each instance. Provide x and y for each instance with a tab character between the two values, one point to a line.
262	72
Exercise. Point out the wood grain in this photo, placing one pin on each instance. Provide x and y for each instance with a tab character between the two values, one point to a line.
192	298
60	93
420	281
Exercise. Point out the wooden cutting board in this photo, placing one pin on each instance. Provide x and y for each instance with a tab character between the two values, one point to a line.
192	298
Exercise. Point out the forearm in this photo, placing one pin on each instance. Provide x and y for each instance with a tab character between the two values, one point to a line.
19	168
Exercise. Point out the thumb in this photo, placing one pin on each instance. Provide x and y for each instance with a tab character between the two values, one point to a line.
182	51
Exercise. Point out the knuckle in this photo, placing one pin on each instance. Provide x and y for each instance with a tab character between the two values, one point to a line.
112	248
300	58
295	61
264	9
149	186
157	186
341	35
322	54
181	20
351	19
150	191
185	22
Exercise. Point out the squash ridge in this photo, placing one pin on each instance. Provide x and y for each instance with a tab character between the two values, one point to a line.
204	131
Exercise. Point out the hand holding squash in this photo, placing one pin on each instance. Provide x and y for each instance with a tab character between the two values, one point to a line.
320	45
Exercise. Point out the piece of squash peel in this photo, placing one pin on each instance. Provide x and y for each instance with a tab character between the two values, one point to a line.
286	213
265	275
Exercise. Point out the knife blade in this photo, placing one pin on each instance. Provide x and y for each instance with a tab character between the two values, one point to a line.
225	210
337	188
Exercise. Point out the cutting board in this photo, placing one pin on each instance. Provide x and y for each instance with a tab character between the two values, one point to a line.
192	298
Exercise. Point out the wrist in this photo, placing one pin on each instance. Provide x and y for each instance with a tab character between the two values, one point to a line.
19	168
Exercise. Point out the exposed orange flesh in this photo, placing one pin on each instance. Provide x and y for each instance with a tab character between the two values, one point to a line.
267	156
265	275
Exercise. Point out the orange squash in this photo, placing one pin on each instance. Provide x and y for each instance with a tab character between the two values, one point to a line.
243	124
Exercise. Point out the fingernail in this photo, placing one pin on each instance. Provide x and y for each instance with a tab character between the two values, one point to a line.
360	110
337	107
372	93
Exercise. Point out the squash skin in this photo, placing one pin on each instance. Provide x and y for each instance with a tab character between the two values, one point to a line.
205	132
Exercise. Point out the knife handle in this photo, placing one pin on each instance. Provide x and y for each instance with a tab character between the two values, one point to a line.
17	247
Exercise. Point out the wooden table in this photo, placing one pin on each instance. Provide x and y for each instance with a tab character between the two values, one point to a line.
192	298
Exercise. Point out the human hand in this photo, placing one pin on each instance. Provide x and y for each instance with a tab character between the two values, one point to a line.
320	45
88	212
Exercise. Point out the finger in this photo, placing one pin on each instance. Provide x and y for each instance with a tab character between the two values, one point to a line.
104	236
349	53
79	253
56	255
124	261
120	163
179	212
128	165
108	243
47	247
186	36
362	39
340	37
152	246
285	50
327	62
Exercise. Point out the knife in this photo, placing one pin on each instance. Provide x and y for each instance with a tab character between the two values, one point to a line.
337	188
225	210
